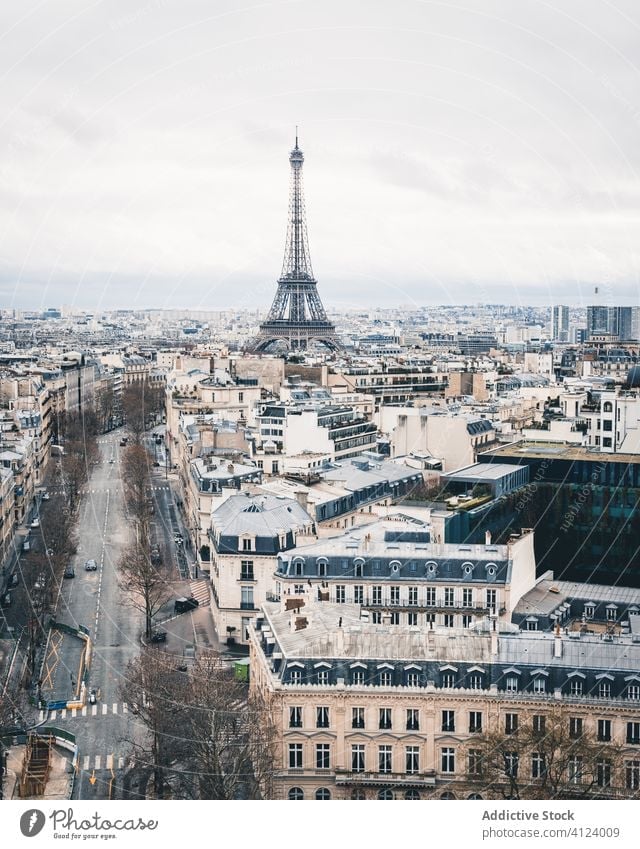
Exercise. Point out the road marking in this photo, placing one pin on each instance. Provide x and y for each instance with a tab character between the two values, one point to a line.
85	762
74	711
114	709
41	716
84	710
125	708
63	713
104	710
109	762
94	710
120	763
98	761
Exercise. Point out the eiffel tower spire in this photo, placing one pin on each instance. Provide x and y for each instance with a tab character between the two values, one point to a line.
297	317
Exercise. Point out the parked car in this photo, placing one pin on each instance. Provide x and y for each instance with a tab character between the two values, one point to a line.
69	572
182	605
159	637
90	566
13	580
45	496
92	697
6	600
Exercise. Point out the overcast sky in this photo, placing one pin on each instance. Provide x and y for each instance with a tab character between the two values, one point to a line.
455	152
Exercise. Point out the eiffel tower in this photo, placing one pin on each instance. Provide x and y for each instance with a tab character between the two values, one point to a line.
297	318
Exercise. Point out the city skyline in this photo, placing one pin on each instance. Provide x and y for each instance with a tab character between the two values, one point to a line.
453	155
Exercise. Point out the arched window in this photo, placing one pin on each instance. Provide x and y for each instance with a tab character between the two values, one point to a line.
607	407
411	795
321	564
358	794
322	794
448	795
386	795
296	794
474	796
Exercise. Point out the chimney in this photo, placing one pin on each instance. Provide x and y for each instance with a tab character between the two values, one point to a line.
302	498
487	537
557	642
494	636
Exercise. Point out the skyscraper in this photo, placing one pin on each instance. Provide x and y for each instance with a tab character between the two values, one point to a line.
560	323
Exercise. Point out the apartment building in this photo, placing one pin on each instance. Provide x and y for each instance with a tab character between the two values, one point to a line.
365	711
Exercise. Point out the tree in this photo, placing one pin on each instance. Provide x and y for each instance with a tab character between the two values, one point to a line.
105	404
133	407
144	583
137	487
555	760
205	740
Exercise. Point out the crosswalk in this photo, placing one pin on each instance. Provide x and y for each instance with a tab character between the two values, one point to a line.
200	590
106	489
111	760
104	709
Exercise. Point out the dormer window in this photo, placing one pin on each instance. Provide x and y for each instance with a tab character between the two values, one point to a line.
432	569
321	564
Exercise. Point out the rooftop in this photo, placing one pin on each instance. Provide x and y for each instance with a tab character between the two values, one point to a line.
554	451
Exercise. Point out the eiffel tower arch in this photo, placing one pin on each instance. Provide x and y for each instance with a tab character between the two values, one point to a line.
297	318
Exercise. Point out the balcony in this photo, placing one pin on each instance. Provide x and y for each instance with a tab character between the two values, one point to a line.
401	779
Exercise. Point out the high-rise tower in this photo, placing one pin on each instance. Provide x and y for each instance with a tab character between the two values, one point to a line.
297	317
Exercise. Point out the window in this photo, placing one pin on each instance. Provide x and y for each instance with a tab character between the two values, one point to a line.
357	677
475	681
322	568
323	676
298	589
376	617
467	620
384	718
384	758
295	676
604	689
539	685
575	727
386	795
240	397
246	570
357	758
412	618
632	774
395	595
448	760
607	425
603	772
611	613
633	691
246	544
246	598
474	762
295	717
413	595
384	679
467	598
511	764
448	620
358	594
490	600
430	599
411	794
296	794
574	769
448	720
538	765
322	717
357	717
576	687
448	679
604	730
448	597
413	679
323	759
340	593
323	794
357	570
295	755
511	684
395	618
633	732
412	760
538	723
376	595
413	719
589	611
510	723
475	721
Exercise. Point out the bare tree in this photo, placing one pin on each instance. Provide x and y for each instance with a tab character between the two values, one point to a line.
557	759
134	409
205	740
105	404
144	583
136	481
